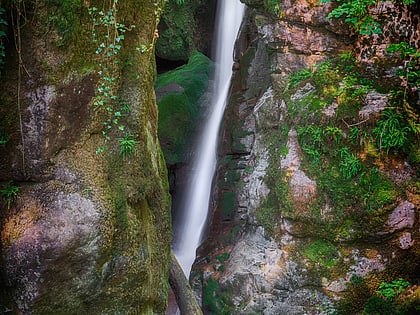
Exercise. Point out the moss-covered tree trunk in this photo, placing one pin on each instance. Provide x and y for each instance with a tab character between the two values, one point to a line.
89	230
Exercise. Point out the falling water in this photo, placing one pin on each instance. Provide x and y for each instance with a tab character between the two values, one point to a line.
229	18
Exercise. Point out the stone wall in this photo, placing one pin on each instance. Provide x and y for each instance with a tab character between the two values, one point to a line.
266	255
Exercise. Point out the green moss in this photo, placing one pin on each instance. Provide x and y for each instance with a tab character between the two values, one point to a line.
215	301
321	252
178	111
64	18
343	161
228	202
176	38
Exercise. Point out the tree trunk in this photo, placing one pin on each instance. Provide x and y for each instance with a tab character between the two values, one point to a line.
184	294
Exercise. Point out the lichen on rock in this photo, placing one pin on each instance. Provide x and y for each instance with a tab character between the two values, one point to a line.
88	232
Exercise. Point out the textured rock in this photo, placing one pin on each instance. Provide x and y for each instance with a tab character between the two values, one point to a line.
303	189
402	217
87	233
290	250
406	241
61	240
374	103
303	92
266	111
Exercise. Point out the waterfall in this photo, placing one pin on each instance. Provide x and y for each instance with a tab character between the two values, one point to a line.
196	204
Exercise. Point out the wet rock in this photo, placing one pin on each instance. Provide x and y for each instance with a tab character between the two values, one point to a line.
303	92
330	110
266	111
303	189
402	217
405	240
374	104
336	286
167	89
60	242
291	161
364	265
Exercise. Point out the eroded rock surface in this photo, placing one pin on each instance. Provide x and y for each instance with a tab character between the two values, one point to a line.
271	259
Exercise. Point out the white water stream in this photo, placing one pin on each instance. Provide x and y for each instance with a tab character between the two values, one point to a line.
229	17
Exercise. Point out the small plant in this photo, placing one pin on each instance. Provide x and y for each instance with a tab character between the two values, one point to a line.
354	134
4	138
314	135
299	76
392	289
390	132
9	193
312	139
313	153
335	132
127	145
223	257
350	165
357	14
410	72
274	6
347	57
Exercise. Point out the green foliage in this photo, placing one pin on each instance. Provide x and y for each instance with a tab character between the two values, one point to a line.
356	13
334	132
4	138
64	18
391	132
392	289
350	165
299	76
312	139
385	301
274	6
210	292
215	302
127	145
377	190
228	203
223	257
108	35
408	2
267	215
9	193
321	252
375	305
410	71
355	87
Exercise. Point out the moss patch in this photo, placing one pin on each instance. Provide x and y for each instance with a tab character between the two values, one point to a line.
179	110
355	193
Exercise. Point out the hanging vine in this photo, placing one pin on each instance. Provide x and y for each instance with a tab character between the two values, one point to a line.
18	18
108	34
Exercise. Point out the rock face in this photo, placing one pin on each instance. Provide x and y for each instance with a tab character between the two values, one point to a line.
281	242
186	26
87	232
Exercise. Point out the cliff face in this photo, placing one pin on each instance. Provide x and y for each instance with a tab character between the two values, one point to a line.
313	212
88	229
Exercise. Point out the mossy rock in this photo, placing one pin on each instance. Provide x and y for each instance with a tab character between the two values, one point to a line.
179	92
176	30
